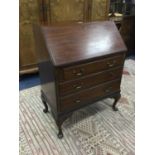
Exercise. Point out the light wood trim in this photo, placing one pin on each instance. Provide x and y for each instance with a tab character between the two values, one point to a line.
28	71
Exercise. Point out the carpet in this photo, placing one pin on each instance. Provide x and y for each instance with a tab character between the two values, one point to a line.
94	130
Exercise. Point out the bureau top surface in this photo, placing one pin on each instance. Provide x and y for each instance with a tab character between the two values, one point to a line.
79	42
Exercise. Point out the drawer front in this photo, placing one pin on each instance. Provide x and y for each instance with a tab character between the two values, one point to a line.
78	99
96	66
89	81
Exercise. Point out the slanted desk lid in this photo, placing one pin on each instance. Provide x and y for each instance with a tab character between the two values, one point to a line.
79	42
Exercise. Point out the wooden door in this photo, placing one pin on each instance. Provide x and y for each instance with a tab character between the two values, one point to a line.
67	10
99	10
75	10
29	14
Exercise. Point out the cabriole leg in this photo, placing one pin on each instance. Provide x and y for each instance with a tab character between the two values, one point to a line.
60	134
44	102
116	98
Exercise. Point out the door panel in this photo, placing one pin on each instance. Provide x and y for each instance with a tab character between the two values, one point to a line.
67	10
29	14
100	9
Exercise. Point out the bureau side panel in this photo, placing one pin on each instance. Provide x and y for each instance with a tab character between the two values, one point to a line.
46	69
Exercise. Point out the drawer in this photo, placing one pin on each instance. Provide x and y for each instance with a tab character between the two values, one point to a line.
92	67
89	81
78	99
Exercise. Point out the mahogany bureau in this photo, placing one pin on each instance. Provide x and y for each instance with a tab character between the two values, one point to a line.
78	65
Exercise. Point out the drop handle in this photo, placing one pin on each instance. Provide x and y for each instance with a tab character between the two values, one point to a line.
80	73
111	64
108	90
77	101
77	87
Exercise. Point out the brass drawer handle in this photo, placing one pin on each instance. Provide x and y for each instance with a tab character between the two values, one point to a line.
77	87
80	73
77	101
108	90
111	64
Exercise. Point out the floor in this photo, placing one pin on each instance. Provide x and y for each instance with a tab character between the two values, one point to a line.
32	80
28	81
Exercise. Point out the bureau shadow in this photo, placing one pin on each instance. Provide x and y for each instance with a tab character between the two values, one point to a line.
87	112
